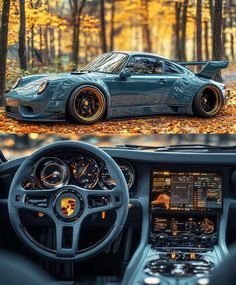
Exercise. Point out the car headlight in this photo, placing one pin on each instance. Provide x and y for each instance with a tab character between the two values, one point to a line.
43	87
16	84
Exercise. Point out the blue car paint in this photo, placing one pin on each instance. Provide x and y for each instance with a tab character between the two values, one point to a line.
138	95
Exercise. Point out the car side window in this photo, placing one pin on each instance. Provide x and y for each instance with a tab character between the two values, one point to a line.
145	65
171	68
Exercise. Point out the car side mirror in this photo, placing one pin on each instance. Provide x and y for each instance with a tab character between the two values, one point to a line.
125	73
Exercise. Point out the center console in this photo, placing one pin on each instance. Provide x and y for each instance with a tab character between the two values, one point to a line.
185	209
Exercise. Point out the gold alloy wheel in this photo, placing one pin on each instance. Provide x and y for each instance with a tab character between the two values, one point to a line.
211	102
89	104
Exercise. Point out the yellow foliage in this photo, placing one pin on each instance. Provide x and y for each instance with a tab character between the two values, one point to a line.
36	16
130	19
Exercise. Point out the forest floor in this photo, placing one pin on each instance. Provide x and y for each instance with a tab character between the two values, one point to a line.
224	123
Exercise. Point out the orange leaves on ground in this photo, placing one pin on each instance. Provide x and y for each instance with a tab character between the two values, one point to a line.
224	123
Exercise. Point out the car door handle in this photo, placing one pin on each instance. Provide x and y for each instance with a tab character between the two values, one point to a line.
162	81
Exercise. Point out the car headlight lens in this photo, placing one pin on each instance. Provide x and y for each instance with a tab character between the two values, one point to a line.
43	87
16	84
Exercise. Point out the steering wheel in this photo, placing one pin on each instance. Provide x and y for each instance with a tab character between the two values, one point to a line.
49	202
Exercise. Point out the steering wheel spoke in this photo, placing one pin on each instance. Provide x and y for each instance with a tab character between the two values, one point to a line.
67	238
33	200
103	200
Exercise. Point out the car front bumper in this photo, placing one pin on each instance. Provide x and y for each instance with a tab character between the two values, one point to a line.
31	109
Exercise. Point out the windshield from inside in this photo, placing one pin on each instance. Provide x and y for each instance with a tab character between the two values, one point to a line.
14	146
111	62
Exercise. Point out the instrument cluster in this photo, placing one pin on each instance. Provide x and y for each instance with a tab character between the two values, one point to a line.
82	170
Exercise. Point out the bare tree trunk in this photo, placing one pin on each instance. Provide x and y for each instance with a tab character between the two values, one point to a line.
28	50
232	35
199	30
59	47
113	9
194	42
232	46
41	43
76	10
103	26
4	46
75	36
223	39
59	34
231	17
22	32
207	54
86	47
217	35
177	30
211	6
52	45
46	51
184	24
146	28
32	46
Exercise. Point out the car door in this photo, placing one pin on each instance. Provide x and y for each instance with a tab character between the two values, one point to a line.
145	87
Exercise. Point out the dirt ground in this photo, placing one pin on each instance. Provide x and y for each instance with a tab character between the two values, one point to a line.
224	123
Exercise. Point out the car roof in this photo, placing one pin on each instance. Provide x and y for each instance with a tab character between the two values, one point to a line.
131	53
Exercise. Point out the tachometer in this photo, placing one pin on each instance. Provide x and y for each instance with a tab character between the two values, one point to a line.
85	171
107	182
52	173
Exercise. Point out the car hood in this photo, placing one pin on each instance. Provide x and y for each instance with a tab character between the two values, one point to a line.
33	81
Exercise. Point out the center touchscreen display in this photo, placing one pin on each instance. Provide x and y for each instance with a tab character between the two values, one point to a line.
186	191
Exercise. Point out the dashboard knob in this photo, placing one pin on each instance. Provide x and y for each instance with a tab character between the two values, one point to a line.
203	281
233	178
152	281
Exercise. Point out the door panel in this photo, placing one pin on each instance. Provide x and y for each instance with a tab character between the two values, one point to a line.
146	86
138	90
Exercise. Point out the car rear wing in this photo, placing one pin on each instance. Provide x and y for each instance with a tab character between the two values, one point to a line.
209	69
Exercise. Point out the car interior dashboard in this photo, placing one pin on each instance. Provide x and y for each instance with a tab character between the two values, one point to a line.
180	223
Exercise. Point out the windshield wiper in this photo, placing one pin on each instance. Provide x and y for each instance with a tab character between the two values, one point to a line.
183	147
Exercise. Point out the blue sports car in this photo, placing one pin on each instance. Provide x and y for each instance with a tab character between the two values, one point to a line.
116	85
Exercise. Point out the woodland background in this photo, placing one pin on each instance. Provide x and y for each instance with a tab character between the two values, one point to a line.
64	35
14	146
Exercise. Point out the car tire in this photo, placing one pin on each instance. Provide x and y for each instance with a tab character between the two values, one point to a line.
208	102
86	105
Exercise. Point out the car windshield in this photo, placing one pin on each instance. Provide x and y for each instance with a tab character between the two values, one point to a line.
14	146
107	63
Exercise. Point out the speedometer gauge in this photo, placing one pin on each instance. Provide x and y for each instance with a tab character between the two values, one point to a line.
106	182
52	173
85	171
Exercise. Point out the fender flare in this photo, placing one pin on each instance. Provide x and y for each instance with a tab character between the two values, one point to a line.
208	85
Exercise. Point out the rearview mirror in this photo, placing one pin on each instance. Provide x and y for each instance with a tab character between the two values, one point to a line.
125	73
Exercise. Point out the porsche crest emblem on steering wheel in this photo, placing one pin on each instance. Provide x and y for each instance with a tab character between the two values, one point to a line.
68	206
